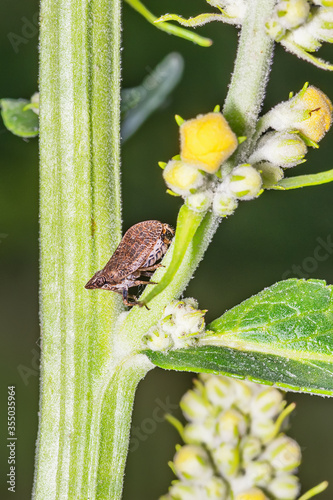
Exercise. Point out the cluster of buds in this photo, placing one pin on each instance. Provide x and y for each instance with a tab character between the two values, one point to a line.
302	25
234	447
300	122
201	172
180	326
207	142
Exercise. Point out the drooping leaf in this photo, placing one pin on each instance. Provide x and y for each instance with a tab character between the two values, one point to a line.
282	336
138	103
20	121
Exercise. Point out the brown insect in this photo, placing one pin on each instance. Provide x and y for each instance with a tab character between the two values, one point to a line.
137	254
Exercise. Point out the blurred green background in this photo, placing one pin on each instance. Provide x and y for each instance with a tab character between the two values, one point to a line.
251	250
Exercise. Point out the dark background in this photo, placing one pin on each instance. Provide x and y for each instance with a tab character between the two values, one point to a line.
251	250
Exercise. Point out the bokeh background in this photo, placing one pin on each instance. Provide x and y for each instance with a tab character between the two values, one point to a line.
251	250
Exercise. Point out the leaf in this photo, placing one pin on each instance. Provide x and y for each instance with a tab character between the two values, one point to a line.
282	336
187	223
139	102
20	121
304	181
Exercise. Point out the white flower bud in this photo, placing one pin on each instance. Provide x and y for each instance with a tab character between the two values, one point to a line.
292	13
216	489
274	29
192	463
233	8
259	473
303	37
157	340
231	425
264	429
224	203
284	487
199	202
270	174
226	458
244	182
184	491
251	494
195	407
242	395
280	148
219	391
183	321
182	178
267	404
284	454
250	447
201	432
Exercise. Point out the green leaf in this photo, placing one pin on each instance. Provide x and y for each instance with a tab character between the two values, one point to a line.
304	180
282	336
20	121
187	223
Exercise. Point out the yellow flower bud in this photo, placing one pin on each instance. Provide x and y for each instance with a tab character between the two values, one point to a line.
181	177
252	494
320	114
207	141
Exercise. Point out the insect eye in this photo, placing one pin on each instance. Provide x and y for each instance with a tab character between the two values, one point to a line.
100	281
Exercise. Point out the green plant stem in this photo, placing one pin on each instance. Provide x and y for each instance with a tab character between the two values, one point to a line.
80	227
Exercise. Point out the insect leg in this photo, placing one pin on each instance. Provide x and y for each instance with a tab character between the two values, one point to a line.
138	282
150	268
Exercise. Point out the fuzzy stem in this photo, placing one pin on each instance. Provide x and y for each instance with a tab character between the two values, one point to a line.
80	227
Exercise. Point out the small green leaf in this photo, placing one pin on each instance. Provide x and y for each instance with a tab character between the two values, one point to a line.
187	224
300	181
282	336
18	120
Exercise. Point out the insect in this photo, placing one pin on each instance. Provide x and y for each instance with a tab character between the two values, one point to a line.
136	256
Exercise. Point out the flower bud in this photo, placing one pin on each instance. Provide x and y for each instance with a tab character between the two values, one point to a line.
252	494
192	463
224	203
157	340
280	148
292	13
184	491
181	177
242	395
284	487
219	391
216	489
195	407
264	429
245	182
207	141
235	9
309	112
201	432
231	425
199	202
259	473
284	454
270	174
226	458
250	448
267	404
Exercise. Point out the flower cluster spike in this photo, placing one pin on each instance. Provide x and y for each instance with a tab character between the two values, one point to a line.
235	445
180	326
301	26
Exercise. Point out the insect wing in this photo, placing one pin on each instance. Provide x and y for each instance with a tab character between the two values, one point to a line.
134	249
